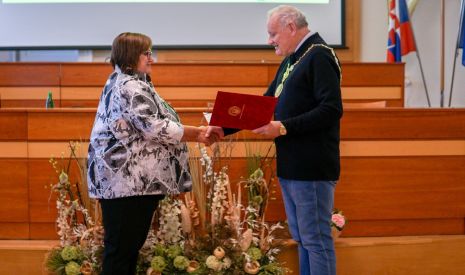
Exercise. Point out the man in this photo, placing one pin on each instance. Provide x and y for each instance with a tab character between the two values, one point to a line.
306	133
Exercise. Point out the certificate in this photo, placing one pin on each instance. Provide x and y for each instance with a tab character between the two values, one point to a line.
242	111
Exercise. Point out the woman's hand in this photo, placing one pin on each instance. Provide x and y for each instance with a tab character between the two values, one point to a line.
209	135
204	134
215	130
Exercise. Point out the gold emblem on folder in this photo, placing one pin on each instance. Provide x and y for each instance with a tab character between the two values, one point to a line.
234	111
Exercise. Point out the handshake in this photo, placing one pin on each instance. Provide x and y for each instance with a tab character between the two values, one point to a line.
209	134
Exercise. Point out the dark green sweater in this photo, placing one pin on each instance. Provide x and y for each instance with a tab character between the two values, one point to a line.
310	107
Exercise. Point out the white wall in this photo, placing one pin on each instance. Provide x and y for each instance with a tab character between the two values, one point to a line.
426	26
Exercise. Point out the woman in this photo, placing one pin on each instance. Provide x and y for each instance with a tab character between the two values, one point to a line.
137	152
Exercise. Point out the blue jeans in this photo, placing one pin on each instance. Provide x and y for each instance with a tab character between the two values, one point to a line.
309	206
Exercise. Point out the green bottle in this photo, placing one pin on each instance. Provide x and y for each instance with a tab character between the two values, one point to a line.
49	102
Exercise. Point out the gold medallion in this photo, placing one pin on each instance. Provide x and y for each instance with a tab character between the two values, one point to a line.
234	111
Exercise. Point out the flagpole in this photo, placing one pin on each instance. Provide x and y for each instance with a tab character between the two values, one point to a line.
456	51
442	54
421	66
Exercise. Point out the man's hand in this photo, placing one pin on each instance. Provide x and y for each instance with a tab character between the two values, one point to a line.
269	130
209	135
216	131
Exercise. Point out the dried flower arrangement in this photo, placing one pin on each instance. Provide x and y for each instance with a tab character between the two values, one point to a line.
81	237
207	231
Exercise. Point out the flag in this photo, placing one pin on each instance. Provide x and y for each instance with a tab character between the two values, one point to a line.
400	39
462	33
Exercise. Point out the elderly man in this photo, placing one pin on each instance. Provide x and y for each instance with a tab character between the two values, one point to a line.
306	134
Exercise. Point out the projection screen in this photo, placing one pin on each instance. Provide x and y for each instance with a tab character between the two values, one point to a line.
62	24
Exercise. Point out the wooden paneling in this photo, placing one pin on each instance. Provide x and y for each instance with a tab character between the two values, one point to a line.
209	75
402	187
404	255
400	167
13	150
43	231
29	93
352	32
428	255
14	231
29	74
217	55
204	93
364	103
13	125
167	74
81	93
371	93
41	198
398	123
365	74
42	201
24	257
85	74
37	150
384	123
27	103
406	227
83	97
368	75
81	103
14	191
72	124
80	84
387	148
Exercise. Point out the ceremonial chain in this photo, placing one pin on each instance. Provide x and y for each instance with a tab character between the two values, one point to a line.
289	69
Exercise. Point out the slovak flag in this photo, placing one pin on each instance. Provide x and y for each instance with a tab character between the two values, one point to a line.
400	40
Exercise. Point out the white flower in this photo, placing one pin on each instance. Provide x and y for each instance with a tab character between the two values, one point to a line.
170	223
226	263
213	263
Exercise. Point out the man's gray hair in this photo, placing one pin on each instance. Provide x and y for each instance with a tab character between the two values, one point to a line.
287	14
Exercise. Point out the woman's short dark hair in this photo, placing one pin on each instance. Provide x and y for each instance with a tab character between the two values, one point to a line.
126	49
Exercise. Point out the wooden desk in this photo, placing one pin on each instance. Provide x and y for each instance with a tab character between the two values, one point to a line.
402	169
182	84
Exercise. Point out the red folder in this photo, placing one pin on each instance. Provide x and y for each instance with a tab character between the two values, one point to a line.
242	111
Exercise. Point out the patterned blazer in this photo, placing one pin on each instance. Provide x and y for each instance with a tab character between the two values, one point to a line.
135	145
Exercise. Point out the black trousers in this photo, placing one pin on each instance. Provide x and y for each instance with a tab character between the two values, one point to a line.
126	222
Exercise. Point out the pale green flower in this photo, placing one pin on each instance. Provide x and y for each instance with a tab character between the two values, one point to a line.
181	262
173	251
72	268
63	178
70	253
158	250
158	263
255	253
258	174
